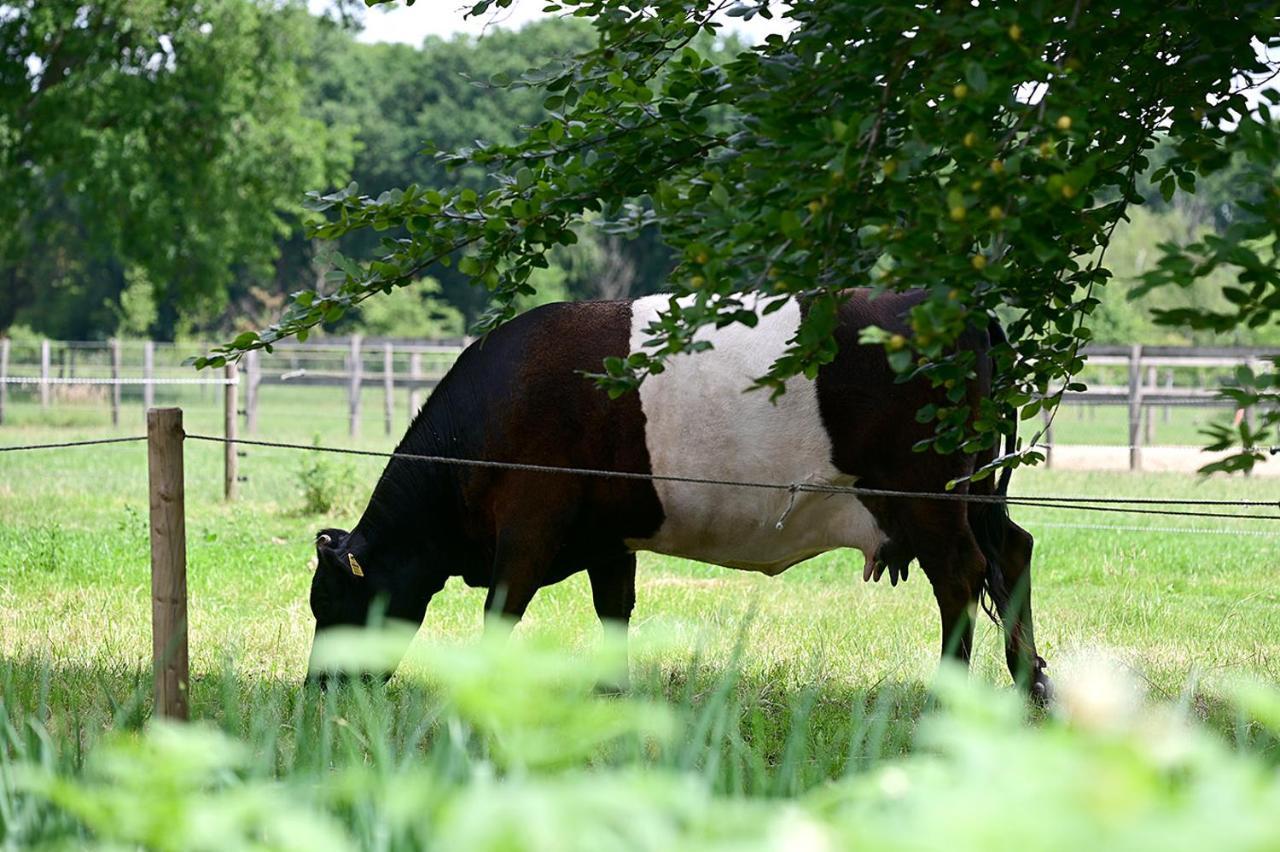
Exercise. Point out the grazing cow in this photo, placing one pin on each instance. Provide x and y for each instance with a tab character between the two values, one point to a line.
519	395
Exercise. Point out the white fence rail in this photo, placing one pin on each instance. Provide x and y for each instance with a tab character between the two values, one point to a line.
1148	381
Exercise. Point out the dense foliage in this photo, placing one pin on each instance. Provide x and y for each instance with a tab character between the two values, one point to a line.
117	219
995	154
987	153
152	154
510	751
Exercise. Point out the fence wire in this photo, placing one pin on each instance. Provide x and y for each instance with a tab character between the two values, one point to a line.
86	443
92	380
1126	505
1162	530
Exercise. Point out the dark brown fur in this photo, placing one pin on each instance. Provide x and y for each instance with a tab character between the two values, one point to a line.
520	395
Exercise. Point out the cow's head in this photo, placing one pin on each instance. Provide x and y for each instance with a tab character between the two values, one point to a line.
351	586
385	579
341	592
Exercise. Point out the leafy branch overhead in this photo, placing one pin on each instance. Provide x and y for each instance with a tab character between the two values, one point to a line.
985	153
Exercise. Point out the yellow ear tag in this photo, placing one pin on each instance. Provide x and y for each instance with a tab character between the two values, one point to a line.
355	566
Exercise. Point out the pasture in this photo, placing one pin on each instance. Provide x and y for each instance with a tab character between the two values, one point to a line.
780	685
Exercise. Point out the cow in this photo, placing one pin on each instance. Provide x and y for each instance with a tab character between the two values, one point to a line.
522	394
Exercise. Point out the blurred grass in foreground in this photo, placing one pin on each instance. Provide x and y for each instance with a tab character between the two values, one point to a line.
506	745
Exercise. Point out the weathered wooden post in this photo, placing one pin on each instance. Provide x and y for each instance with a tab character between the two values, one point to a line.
149	374
168	561
253	377
1135	406
415	374
229	418
4	376
388	386
44	373
356	366
113	345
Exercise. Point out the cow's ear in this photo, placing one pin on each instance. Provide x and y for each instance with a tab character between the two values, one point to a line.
330	537
354	565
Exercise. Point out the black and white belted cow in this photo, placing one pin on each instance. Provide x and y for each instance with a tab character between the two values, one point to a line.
520	395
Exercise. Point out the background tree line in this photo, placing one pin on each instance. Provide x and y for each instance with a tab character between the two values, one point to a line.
154	157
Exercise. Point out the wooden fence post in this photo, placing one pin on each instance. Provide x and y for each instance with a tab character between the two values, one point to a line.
44	373
253	376
4	376
113	346
168	561
1135	406
415	373
356	366
148	373
388	386
230	396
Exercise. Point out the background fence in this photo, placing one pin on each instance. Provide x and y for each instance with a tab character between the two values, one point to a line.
112	376
1143	408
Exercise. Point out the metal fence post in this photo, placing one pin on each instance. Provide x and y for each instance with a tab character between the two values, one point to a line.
253	376
44	373
388	386
4	376
1149	419
1168	389
229	414
1135	406
148	373
415	373
168	561
353	389
1047	437
113	346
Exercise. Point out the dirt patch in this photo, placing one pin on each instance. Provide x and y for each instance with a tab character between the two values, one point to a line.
1150	459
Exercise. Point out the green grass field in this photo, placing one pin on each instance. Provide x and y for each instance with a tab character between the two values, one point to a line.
1180	606
810	675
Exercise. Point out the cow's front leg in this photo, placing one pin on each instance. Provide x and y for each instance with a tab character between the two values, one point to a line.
520	565
613	589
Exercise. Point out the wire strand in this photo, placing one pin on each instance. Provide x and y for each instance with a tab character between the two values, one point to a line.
1136	528
90	380
1102	504
87	443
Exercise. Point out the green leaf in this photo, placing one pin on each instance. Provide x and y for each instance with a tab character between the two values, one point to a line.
976	76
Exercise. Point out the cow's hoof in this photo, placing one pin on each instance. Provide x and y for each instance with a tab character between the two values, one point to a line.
611	690
1042	690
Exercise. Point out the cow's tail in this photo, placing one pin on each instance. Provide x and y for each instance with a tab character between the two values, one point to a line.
990	521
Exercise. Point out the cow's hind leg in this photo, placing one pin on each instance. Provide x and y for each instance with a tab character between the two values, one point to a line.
613	589
1013	604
